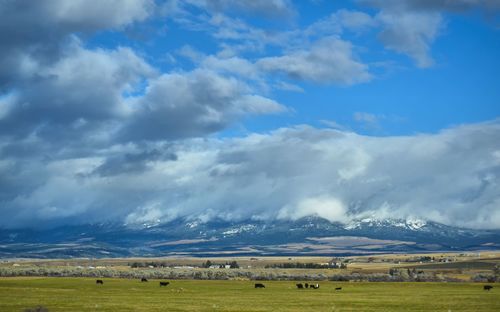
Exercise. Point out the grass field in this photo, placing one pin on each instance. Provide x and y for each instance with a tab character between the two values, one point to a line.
82	294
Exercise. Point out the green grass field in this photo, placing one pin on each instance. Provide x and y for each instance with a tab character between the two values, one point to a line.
82	294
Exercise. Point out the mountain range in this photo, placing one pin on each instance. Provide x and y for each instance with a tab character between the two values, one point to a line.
187	237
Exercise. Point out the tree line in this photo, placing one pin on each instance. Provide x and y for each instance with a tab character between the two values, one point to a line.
395	275
158	264
310	265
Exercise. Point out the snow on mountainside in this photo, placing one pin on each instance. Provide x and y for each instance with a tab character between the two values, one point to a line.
248	237
240	229
411	223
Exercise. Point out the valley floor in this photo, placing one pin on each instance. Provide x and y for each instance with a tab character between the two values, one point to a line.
83	294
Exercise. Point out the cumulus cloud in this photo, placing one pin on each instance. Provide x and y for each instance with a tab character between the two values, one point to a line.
71	102
315	53
29	20
52	90
33	33
70	94
58	91
191	104
410	33
450	177
411	26
329	60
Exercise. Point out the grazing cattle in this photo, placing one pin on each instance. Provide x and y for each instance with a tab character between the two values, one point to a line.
259	285
314	286
144	279
164	283
307	285
487	287
99	282
338	288
300	286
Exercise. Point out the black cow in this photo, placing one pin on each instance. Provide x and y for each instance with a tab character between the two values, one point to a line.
487	287
144	279
307	285
99	282
164	284
300	286
338	288
259	285
314	286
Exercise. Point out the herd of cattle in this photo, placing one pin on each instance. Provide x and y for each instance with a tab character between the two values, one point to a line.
306	285
260	285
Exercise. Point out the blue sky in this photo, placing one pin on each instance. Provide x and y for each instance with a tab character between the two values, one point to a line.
138	111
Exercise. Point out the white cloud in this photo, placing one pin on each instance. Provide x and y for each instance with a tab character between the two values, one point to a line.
192	54
68	100
234	65
339	21
326	207
281	85
33	32
411	26
329	60
180	105
333	124
70	92
101	13
355	20
410	33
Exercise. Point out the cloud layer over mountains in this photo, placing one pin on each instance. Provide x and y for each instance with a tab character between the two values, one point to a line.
91	134
451	177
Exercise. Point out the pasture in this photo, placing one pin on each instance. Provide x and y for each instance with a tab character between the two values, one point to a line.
82	294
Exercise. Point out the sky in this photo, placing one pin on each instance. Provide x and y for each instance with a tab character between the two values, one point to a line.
144	111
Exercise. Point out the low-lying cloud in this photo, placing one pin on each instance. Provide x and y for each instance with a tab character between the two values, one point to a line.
450	177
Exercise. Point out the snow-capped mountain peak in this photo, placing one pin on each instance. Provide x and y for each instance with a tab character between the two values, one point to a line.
415	224
409	223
